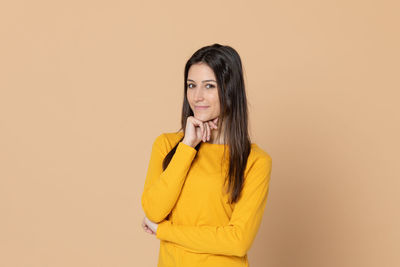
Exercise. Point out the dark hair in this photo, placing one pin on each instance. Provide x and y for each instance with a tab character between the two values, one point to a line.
227	67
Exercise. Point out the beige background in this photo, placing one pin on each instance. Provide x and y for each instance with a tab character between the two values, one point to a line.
86	86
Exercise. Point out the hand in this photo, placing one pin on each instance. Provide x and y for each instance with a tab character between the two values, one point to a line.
146	228
149	226
197	130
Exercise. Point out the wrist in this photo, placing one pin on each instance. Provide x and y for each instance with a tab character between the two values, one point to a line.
187	143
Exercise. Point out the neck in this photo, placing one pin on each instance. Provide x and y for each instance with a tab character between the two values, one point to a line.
213	137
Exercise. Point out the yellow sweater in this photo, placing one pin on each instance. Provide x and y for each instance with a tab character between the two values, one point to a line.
197	225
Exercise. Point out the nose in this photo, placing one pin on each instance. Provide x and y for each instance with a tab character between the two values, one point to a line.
198	95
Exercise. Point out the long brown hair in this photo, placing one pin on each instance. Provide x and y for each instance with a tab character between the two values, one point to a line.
227	67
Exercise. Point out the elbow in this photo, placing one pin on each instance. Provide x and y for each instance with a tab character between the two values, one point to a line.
240	250
154	217
241	246
151	212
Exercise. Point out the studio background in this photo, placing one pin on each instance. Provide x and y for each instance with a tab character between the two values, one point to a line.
86	87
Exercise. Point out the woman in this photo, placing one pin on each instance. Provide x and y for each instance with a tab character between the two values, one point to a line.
206	187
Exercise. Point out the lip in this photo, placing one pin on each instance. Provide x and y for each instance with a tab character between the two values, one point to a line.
201	107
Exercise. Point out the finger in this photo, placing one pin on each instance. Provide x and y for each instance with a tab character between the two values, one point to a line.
216	122
202	129
198	123
208	132
205	132
212	125
206	127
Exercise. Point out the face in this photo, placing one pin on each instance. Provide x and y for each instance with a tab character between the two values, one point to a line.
202	92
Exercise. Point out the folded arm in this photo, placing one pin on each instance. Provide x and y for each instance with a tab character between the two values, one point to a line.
235	238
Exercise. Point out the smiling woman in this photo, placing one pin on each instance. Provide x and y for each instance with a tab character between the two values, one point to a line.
206	186
202	95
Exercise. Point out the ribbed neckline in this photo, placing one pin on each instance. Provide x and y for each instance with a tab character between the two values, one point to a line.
211	144
205	144
215	148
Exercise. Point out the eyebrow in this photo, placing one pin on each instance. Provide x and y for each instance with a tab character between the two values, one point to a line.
203	81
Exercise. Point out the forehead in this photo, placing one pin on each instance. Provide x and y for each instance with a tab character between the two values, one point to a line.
200	71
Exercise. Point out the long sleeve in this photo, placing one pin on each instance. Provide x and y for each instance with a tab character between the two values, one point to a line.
235	238
162	188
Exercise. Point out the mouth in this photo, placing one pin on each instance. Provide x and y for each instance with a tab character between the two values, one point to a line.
201	107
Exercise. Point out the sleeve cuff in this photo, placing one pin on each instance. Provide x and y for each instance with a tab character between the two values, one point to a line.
162	229
186	148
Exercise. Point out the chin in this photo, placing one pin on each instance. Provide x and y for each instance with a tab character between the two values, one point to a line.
202	117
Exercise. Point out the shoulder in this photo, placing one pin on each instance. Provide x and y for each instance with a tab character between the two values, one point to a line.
258	153
167	140
259	159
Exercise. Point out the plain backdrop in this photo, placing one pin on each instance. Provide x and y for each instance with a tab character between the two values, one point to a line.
86	87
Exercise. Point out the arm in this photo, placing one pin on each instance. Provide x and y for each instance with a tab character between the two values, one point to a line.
235	238
162	188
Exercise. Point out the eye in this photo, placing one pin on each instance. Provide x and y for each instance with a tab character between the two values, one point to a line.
211	85
189	84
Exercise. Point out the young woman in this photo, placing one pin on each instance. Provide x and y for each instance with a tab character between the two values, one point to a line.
206	186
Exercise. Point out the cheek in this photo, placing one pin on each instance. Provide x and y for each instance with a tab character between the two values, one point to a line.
217	107
216	102
189	97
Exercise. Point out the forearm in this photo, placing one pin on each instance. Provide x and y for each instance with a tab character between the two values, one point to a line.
162	188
